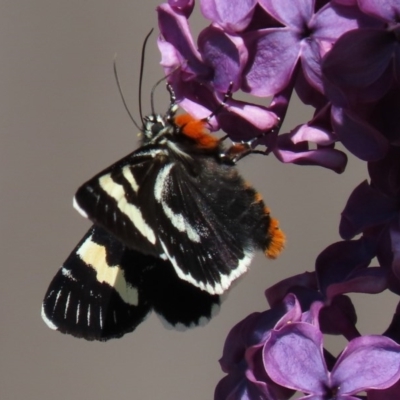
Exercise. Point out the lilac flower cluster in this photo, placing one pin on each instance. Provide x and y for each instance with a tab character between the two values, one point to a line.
342	57
272	354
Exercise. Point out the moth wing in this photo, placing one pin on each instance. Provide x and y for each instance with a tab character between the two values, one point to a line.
179	304
96	295
113	200
193	231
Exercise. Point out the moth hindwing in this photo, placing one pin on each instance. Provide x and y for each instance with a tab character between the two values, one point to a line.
105	290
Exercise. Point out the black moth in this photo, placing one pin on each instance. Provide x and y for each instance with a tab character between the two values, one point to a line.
174	225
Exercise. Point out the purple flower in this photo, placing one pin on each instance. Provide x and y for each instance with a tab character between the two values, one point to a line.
232	16
373	209
294	147
361	79
266	48
270	354
294	358
363	62
242	355
306	35
342	58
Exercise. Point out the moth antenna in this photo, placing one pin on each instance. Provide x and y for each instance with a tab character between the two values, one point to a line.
152	92
170	90
141	75
122	94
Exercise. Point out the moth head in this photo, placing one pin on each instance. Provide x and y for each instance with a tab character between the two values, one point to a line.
154	127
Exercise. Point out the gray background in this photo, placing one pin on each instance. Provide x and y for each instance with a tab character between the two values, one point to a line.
62	121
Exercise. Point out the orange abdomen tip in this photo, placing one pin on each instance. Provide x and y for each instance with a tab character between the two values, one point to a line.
277	239
196	130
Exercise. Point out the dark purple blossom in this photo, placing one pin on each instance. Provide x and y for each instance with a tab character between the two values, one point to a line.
294	358
242	355
361	79
271	354
305	36
342	58
266	48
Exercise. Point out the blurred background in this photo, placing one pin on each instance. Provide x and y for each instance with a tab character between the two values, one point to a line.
62	121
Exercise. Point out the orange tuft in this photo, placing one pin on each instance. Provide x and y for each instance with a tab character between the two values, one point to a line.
247	185
195	129
277	238
258	198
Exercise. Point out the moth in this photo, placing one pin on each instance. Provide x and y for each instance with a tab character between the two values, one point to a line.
174	225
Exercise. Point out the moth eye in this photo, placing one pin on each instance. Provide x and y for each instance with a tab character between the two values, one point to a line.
156	128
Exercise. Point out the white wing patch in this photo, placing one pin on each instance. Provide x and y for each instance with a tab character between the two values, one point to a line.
177	220
117	192
94	255
226	280
160	185
126	171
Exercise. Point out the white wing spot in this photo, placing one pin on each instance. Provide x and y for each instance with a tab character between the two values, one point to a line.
77	312
49	323
57	298
68	274
88	315
67	305
101	317
127	173
78	208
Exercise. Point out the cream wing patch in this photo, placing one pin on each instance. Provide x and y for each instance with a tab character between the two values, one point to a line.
94	255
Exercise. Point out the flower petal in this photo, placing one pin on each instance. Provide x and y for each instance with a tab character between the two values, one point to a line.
368	362
245	121
339	260
359	137
182	6
295	14
395	246
332	21
237	342
368	280
329	158
231	15
258	377
390	393
273	54
365	207
277	292
387	10
227	57
339	318
385	173
367	53
311	58
293	358
310	133
175	30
